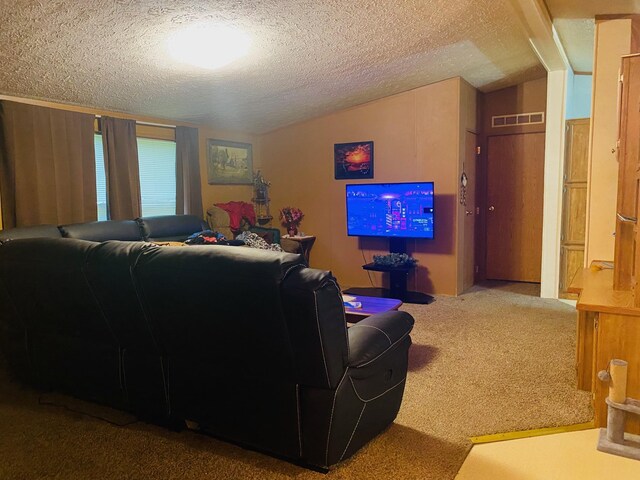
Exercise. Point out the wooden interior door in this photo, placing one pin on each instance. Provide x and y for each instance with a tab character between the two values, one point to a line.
574	203
468	210
515	187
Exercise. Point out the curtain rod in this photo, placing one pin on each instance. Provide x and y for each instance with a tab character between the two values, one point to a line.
139	122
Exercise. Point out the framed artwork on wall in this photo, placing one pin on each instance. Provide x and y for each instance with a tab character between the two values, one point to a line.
353	160
229	163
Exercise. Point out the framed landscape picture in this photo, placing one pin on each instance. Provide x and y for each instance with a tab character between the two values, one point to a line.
229	163
353	160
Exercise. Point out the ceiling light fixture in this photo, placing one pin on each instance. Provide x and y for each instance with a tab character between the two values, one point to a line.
208	46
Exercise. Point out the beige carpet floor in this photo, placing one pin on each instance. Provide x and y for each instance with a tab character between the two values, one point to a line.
493	360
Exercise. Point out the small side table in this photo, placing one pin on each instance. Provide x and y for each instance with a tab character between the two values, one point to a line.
304	243
370	306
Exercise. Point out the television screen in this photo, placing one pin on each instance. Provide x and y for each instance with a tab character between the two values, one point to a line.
390	210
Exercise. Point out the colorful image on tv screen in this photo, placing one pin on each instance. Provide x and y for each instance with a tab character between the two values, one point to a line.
390	210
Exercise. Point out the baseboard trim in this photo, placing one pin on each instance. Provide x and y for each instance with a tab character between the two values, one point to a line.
500	437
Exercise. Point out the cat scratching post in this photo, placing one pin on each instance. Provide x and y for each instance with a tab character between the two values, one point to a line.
613	439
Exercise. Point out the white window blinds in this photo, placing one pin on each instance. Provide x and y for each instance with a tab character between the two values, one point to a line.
157	162
157	165
101	179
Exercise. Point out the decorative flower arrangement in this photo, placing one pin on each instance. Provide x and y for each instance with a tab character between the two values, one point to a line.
291	218
394	260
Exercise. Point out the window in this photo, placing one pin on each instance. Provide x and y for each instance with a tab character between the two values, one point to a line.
101	179
157	165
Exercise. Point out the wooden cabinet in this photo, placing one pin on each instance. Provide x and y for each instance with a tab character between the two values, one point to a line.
608	327
617	336
584	349
574	203
627	258
609	302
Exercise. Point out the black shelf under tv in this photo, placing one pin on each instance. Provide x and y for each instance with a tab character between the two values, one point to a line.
397	283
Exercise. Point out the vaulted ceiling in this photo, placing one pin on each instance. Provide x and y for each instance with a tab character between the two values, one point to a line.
307	57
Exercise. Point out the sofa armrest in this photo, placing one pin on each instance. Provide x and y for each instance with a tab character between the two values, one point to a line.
372	337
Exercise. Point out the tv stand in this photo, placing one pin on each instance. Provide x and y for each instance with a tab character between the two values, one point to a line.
397	279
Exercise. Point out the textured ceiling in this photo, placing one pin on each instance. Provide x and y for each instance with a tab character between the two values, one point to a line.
574	22
308	58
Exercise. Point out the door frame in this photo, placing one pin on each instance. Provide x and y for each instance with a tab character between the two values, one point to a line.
474	180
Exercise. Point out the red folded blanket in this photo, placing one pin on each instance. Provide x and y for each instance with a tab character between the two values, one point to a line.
238	210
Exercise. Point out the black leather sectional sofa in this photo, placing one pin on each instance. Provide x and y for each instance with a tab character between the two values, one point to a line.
250	344
149	229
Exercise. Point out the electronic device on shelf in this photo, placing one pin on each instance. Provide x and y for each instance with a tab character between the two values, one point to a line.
393	210
397	211
400	210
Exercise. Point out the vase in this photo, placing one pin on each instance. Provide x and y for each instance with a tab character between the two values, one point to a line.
292	231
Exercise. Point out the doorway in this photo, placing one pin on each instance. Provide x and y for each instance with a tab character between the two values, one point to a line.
515	188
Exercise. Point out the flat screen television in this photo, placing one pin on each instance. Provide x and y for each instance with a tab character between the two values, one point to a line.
402	210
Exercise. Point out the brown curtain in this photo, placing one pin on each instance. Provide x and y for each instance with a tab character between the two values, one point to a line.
47	166
121	168
188	193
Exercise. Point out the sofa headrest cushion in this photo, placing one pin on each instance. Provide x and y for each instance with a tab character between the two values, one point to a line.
170	226
37	231
125	230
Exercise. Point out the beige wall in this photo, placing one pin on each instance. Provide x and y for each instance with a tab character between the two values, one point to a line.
416	137
613	39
